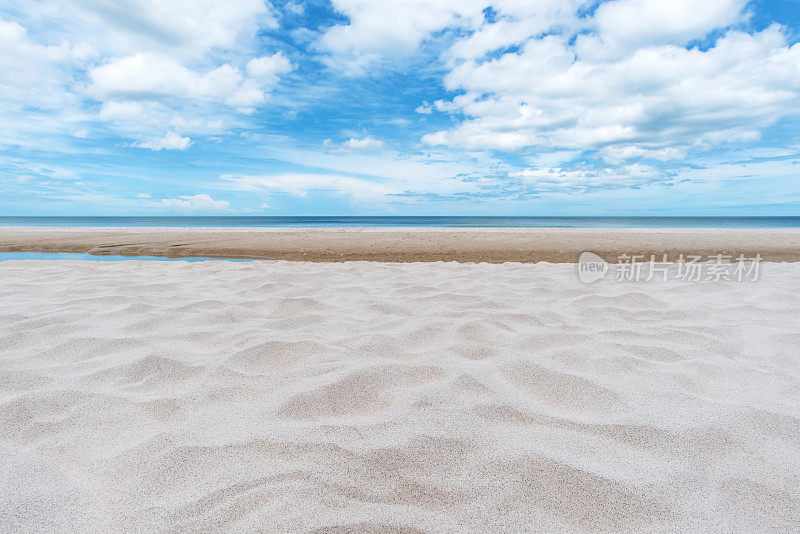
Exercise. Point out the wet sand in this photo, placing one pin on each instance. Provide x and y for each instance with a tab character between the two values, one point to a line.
405	244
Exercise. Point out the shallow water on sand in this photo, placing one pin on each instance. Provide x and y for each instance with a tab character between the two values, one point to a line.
9	256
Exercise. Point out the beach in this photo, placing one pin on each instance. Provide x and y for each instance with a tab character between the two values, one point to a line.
404	267
493	245
283	396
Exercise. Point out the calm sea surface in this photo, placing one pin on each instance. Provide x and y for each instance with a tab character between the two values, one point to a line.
443	222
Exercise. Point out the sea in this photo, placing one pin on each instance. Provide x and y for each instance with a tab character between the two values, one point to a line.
411	221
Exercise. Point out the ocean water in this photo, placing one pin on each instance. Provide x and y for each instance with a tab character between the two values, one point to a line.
434	222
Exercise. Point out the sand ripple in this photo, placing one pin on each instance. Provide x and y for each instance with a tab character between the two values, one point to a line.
357	397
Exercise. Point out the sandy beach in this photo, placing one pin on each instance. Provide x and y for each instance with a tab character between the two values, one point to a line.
528	245
369	397
405	267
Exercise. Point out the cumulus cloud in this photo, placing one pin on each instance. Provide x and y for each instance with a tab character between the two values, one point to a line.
35	101
662	99
147	76
180	28
623	24
625	79
200	202
148	91
515	22
171	141
377	29
267	69
586	95
150	65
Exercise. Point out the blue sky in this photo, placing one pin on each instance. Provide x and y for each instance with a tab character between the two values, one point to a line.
534	107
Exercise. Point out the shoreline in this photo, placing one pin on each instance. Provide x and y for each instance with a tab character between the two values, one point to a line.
403	245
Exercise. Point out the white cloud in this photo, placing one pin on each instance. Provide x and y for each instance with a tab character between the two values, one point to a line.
194	202
637	23
35	98
267	69
26	66
295	7
150	64
520	183
516	22
145	93
619	79
147	76
171	141
616	154
615	88
424	109
430	171
301	184
665	98
114	110
182	29
378	29
584	180
40	171
354	144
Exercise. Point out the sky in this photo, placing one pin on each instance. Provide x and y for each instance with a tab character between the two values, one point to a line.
404	107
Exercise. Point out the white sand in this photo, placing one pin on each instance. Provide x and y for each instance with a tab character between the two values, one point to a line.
157	396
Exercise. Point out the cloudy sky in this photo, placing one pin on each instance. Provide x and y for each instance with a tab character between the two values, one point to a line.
400	107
